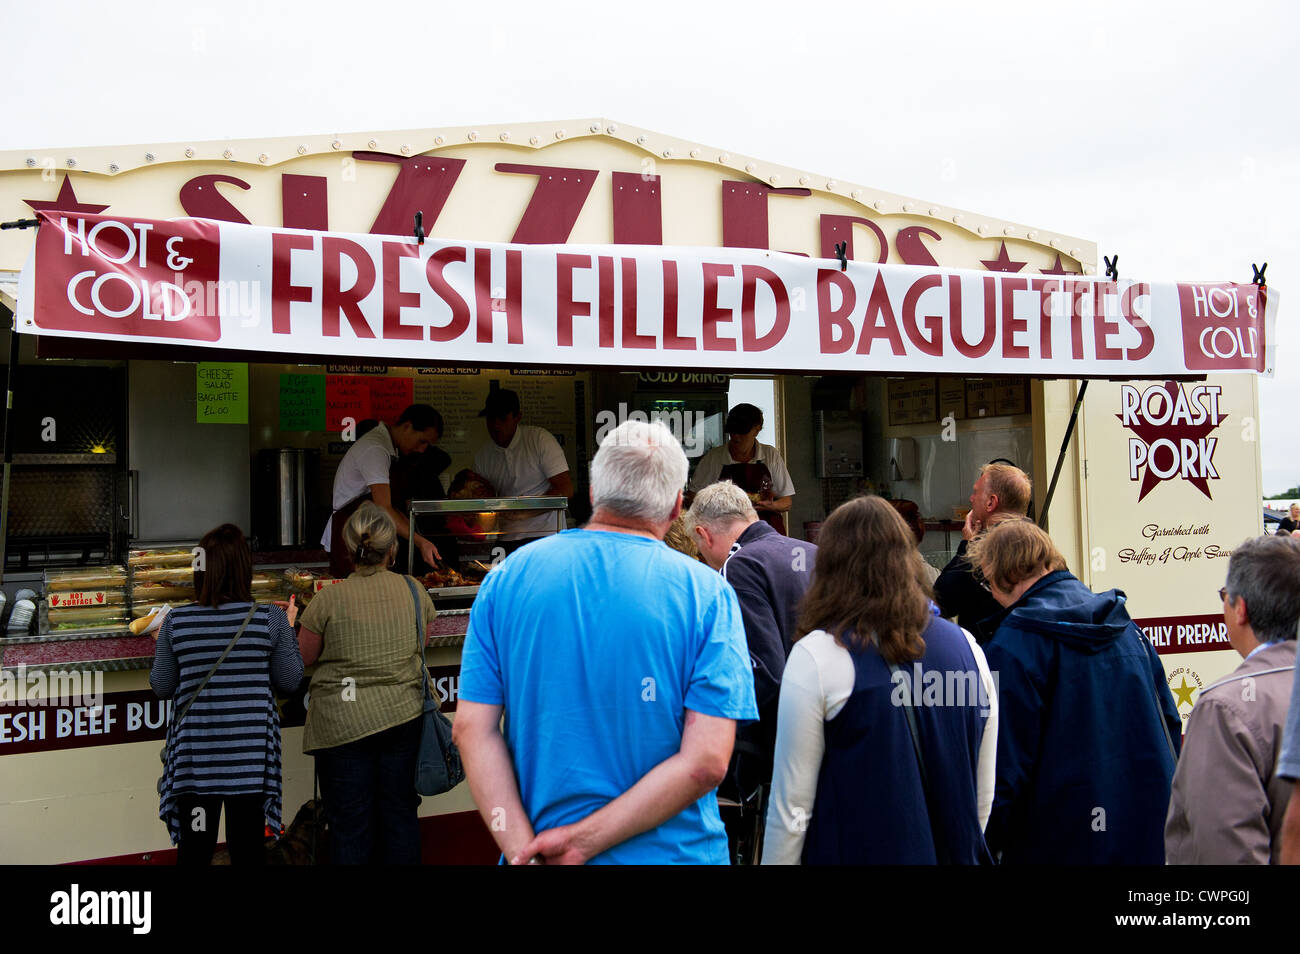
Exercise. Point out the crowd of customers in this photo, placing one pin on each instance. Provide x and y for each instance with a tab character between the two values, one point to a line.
843	704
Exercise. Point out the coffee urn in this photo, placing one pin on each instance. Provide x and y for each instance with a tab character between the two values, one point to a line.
286	491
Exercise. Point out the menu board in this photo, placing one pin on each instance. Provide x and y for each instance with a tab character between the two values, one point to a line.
312	403
980	397
356	369
912	401
1012	396
952	398
546	401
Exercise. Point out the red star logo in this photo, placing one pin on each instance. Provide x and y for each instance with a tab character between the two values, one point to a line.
66	202
1149	433
1057	268
1003	262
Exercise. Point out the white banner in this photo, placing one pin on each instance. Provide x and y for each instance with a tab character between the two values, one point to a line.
239	287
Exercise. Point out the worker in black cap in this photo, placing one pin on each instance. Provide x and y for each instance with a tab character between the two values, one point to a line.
521	461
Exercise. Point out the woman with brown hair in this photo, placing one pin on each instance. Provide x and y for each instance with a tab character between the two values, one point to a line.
367	697
887	725
221	660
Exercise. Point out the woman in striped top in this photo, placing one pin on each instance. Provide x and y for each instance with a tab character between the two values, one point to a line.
227	748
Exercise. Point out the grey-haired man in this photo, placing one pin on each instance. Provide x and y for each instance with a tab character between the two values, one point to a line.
620	666
770	573
1230	792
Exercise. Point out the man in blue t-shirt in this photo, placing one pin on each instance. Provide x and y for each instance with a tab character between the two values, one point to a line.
622	669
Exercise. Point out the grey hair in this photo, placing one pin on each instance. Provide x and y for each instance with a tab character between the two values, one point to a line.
369	535
1266	572
638	471
720	504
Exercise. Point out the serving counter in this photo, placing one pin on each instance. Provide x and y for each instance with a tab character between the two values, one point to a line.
481	527
79	780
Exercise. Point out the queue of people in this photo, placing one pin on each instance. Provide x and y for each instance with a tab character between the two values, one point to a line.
224	658
894	741
854	708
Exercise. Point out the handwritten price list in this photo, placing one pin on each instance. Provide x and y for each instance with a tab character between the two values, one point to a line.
221	393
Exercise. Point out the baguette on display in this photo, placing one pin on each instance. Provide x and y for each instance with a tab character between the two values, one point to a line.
91	617
97	578
181	574
168	557
160	592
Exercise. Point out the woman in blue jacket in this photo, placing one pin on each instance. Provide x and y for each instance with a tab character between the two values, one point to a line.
1088	731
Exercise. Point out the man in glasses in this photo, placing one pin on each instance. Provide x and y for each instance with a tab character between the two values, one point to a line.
1228	799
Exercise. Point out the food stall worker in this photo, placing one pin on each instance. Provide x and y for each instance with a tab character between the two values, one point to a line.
755	468
363	475
521	461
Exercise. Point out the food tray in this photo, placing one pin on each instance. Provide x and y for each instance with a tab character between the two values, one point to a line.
68	635
447	592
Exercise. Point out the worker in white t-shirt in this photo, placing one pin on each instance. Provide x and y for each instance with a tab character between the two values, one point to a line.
521	461
363	475
755	468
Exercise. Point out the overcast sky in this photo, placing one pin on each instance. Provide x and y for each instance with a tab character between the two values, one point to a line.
1164	132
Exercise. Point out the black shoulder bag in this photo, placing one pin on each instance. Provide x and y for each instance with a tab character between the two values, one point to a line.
936	831
437	764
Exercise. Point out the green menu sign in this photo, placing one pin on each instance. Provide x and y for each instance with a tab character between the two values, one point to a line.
222	393
302	402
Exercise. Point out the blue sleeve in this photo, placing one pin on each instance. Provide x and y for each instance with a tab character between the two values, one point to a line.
762	633
1168	708
286	660
480	665
164	676
1288	765
1022	703
721	681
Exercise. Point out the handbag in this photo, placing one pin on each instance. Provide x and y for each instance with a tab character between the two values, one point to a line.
176	722
437	764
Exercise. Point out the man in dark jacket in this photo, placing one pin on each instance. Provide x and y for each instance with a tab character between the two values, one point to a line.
1088	733
770	573
1001	492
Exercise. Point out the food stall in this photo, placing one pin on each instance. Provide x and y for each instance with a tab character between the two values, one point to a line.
232	310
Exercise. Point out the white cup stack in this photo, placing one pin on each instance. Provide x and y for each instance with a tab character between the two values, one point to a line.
20	623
